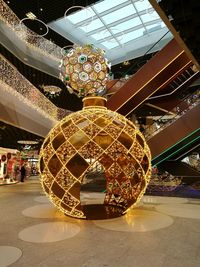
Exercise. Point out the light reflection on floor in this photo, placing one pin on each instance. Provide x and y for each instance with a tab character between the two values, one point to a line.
191	211
9	255
42	199
49	232
151	213
137	220
43	211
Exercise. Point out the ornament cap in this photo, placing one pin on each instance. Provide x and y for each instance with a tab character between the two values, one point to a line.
94	101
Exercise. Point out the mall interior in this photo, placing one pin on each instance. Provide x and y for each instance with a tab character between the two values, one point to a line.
100	133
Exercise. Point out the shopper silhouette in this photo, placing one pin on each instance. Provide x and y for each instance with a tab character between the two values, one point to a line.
23	173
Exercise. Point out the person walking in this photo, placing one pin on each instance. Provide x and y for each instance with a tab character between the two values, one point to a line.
23	173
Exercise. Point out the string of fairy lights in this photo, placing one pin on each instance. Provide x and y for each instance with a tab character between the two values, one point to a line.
16	84
93	147
85	70
32	40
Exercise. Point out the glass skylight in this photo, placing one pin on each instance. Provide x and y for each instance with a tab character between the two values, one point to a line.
154	26
119	14
112	25
111	44
86	13
146	18
129	24
132	35
142	5
94	25
107	4
101	35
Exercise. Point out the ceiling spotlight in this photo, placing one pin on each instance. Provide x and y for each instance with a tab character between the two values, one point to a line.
194	68
126	63
170	18
41	9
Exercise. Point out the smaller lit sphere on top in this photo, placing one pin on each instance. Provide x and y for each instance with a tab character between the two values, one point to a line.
84	70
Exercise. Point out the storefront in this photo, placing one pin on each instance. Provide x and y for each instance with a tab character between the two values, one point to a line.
9	166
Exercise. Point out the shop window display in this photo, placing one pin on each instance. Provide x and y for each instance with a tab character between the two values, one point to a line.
9	160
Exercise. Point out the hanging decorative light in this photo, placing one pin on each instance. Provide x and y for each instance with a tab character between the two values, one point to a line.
51	90
84	70
27	142
93	136
25	32
86	14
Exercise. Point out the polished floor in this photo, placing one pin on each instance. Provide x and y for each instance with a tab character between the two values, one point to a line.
159	231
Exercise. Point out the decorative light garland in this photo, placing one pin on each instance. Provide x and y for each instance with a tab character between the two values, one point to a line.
38	43
84	70
18	85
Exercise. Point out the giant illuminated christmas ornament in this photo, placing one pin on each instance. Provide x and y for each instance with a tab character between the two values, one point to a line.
94	136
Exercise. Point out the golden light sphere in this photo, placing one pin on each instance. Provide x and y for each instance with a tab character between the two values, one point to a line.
95	135
84	70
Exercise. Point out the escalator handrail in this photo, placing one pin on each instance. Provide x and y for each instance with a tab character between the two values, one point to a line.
176	116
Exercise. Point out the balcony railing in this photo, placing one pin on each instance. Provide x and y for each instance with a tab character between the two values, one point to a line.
18	85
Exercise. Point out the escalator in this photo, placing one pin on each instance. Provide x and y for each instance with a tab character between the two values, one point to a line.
180	169
167	72
178	164
181	135
170	146
160	71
